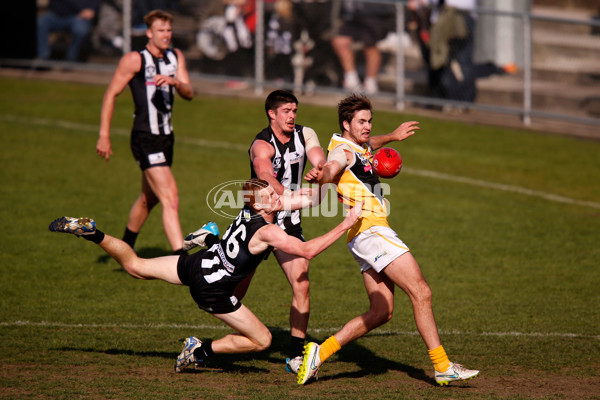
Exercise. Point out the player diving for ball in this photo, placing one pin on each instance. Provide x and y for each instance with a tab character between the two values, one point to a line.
385	261
213	273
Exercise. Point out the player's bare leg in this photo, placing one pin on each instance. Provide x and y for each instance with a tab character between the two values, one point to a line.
380	291
163	185
296	270
141	207
163	268
406	274
252	334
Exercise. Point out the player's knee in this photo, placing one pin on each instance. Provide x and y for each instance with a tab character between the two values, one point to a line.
301	289
263	342
171	202
133	269
423	292
138	268
384	315
380	314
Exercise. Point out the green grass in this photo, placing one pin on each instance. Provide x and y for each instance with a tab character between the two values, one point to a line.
515	276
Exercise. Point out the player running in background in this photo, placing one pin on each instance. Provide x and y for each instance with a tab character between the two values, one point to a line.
385	261
153	74
278	155
213	273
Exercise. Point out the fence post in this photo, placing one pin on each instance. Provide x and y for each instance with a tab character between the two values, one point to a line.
259	49
527	66
400	95
126	26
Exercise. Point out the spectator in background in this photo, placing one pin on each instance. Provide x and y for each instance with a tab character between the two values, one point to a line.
226	36
453	72
451	51
311	24
108	34
418	23
278	42
367	23
74	16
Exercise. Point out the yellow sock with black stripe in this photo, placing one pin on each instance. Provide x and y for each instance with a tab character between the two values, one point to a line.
439	359
329	348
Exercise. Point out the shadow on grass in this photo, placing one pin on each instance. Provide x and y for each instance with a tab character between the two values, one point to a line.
231	363
371	364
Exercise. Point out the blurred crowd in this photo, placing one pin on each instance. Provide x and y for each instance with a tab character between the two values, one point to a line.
340	43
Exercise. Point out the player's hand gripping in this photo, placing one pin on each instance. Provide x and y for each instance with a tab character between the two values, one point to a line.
315	174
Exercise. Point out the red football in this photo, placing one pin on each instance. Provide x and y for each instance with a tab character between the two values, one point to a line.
387	162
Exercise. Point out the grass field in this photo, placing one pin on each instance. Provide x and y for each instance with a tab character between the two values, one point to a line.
504	223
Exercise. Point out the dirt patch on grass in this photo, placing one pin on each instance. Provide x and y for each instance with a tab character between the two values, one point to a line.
267	380
539	385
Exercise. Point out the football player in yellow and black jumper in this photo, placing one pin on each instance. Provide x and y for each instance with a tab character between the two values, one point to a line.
385	261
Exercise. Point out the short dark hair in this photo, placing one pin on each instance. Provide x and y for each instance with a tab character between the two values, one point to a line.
348	106
157	14
277	98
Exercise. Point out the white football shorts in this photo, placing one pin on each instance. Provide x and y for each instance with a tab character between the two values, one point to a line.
376	248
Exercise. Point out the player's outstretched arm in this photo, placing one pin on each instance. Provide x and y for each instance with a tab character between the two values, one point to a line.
272	235
402	132
299	199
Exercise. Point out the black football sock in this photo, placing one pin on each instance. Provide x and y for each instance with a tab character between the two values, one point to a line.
129	237
296	346
96	237
204	351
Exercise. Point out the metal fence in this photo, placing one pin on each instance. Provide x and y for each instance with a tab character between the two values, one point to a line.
556	55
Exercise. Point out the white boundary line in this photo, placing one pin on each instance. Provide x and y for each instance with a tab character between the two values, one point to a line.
502	187
234	146
49	324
